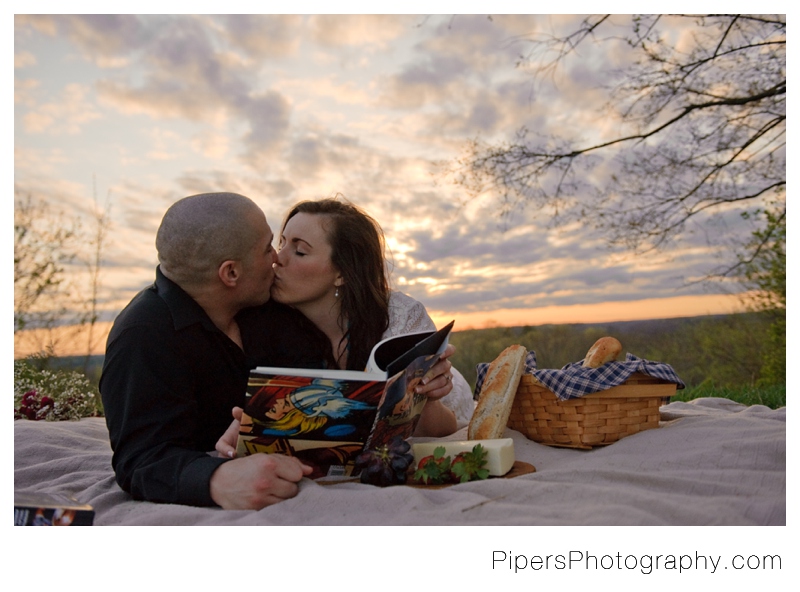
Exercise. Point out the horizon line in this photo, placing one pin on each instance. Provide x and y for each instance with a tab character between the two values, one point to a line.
71	340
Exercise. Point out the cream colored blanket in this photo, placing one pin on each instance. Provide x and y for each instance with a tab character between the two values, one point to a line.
711	462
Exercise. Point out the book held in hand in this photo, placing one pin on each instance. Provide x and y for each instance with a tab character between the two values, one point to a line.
325	418
50	509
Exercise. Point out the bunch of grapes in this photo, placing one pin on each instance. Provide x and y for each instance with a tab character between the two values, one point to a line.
387	464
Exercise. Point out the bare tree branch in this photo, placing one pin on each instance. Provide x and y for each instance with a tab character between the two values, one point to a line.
706	125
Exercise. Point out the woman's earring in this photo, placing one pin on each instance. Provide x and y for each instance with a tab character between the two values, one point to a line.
336	294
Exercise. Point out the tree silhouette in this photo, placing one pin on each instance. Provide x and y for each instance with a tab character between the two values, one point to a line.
44	242
703	120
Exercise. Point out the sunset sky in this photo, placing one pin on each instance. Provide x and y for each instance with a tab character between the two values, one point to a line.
144	110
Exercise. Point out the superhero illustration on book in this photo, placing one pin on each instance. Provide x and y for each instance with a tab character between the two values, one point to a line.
323	422
317	408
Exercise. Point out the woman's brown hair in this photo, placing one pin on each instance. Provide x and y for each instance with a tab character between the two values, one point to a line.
357	252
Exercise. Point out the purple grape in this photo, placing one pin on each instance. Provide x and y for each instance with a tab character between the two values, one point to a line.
387	464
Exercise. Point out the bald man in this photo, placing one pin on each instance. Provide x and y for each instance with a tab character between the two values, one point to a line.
178	357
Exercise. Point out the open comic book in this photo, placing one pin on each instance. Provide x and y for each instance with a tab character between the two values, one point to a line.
327	417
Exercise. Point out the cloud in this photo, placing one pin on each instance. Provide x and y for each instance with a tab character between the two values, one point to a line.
39	165
107	34
477	267
186	77
104	39
268	115
263	36
327	91
24	59
43	183
211	144
177	71
65	116
423	82
460	82
42	23
306	156
358	29
166	144
23	91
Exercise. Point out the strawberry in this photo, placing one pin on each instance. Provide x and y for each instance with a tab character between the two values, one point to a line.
468	466
458	458
433	469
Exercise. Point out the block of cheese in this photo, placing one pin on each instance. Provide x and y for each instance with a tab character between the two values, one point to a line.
499	452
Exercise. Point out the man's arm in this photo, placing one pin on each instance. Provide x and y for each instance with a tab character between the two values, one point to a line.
256	481
153	420
163	409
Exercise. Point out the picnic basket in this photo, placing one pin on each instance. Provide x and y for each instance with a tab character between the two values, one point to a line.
593	420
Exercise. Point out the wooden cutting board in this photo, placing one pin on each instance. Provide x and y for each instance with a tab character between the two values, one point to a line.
519	468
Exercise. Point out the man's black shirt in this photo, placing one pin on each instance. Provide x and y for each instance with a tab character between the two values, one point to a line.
171	377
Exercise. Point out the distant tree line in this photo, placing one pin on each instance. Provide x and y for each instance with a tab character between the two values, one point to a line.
726	351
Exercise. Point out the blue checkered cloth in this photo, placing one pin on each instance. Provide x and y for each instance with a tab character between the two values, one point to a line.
573	380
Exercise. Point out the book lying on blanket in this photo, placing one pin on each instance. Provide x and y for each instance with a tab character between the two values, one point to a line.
49	509
327	417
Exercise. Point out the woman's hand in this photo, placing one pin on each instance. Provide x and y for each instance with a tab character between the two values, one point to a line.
438	382
226	445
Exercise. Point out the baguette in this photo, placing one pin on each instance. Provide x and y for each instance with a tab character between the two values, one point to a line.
604	350
497	394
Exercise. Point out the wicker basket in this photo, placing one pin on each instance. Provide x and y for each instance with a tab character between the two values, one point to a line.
593	420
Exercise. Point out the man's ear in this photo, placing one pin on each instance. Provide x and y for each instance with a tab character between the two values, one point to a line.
229	273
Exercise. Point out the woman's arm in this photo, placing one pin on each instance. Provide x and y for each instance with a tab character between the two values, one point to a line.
436	420
407	315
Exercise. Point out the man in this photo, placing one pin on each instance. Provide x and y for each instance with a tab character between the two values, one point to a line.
178	357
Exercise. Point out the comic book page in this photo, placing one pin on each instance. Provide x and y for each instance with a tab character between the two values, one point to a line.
324	422
400	408
327	417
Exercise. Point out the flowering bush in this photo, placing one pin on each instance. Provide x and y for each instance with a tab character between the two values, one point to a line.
53	395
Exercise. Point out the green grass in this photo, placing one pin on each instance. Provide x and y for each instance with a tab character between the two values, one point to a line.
773	396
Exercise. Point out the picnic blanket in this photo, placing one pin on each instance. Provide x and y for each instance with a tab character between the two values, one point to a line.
712	462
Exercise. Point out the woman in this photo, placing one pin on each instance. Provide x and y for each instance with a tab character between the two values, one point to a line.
331	267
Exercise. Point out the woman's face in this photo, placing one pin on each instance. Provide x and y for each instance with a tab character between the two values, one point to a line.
304	273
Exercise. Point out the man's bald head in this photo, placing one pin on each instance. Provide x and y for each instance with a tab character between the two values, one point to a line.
199	232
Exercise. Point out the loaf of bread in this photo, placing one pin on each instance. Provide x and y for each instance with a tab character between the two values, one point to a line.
497	394
604	350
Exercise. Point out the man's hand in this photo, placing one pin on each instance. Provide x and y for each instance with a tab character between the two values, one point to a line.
256	481
226	445
438	382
